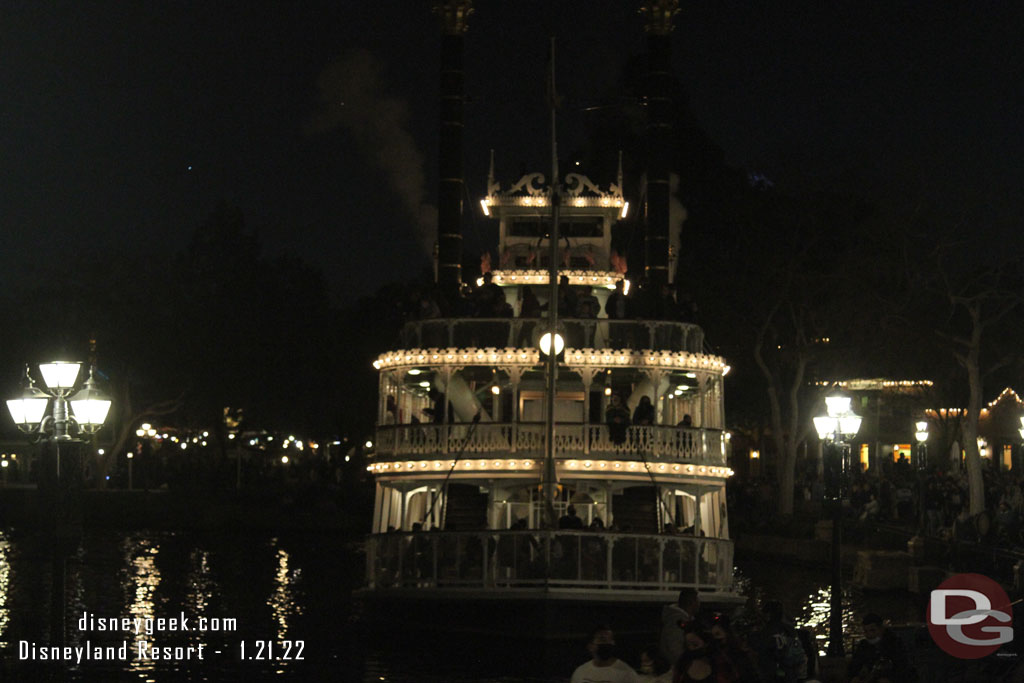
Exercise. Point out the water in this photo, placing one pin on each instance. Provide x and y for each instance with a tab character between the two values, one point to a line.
293	591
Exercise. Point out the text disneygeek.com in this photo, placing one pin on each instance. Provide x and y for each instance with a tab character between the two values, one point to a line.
145	648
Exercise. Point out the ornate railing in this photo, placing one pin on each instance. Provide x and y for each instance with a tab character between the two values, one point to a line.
528	440
528	559
596	333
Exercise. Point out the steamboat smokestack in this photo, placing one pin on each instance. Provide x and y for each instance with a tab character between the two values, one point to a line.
453	15
659	14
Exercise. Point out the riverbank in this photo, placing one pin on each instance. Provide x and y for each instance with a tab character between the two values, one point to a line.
170	510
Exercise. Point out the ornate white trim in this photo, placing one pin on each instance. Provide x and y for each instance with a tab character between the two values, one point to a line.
602	358
530	190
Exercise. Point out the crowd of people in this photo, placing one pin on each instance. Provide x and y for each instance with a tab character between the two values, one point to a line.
930	502
695	645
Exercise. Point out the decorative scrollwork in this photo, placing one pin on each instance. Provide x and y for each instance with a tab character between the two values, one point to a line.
531	184
576	183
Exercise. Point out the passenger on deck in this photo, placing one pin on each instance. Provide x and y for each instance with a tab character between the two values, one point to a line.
673	618
488	297
644	413
617	418
570	520
617	307
604	666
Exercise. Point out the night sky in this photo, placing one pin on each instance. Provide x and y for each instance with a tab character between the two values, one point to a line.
123	125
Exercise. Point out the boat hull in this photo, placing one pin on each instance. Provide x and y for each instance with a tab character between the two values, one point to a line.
548	613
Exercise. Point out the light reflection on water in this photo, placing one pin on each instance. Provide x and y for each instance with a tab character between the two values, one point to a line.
806	595
298	588
5	584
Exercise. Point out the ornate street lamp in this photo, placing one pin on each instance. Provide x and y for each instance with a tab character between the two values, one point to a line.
88	407
922	448
836	428
73	415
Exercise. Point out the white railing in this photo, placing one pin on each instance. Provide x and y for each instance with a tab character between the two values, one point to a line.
580	333
528	559
528	440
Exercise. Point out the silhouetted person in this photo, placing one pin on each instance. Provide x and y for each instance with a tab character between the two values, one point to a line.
616	416
879	653
570	520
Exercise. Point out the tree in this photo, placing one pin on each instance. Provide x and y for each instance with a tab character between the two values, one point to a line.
981	307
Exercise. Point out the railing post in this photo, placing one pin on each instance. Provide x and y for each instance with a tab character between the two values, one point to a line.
485	547
433	551
371	562
579	556
661	562
696	561
399	545
610	544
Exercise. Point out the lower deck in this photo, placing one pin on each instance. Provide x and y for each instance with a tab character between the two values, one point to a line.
524	561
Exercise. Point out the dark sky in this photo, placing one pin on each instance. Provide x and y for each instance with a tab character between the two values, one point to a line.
122	125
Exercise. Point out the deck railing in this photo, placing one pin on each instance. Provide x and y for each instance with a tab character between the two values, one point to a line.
528	440
580	333
531	559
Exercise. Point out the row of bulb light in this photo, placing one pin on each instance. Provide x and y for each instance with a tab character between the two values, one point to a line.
421	466
593	278
530	357
542	200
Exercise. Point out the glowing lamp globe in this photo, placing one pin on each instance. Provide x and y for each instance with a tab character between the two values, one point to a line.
28	409
90	407
59	375
825	426
545	344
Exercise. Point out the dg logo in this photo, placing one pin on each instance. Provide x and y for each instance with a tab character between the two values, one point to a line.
969	616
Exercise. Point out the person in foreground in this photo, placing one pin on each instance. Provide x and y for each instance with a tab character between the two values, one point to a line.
673	618
880	656
604	666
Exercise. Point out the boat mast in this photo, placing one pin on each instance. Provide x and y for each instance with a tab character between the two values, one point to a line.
549	480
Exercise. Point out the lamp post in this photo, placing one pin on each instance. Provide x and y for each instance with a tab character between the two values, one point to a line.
921	462
547	341
131	458
921	434
835	428
80	414
1021	430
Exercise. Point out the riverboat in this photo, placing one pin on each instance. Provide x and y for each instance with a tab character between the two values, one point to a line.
499	480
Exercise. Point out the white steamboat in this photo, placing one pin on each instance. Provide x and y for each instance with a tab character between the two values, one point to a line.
474	490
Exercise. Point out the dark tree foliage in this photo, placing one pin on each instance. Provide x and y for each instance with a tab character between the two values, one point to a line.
180	336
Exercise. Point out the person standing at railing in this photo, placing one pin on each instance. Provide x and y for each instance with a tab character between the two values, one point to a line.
616	416
570	520
529	311
617	307
644	413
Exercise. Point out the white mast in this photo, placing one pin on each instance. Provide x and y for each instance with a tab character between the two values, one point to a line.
549	479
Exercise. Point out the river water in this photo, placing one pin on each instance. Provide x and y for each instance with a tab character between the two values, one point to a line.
278	607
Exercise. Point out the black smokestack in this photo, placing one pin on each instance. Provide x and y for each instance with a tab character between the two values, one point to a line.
450	187
658	14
